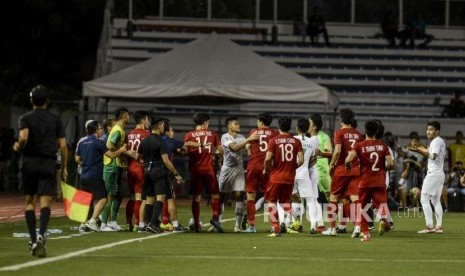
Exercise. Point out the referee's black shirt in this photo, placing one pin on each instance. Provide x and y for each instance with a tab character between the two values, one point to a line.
152	148
44	129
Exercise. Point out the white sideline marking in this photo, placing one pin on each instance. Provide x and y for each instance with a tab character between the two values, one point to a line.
78	253
274	258
314	259
88	250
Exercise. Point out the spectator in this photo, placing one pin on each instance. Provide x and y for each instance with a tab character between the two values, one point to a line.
453	184
389	28
456	150
411	179
317	25
456	107
410	183
416	28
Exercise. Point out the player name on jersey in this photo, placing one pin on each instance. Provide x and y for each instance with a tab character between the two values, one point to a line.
135	136
199	133
355	136
373	148
266	132
285	141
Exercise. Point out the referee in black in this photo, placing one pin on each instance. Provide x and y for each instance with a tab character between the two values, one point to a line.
156	173
39	134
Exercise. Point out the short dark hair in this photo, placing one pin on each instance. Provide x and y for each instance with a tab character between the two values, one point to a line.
140	115
435	124
120	111
39	95
92	127
347	116
371	128
230	119
413	135
303	125
284	124
166	125
156	120
354	123
380	132
459	132
200	118
317	121
265	118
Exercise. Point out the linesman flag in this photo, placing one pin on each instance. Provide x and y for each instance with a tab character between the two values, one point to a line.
77	202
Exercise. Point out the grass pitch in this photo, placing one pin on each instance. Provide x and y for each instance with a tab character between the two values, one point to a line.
400	252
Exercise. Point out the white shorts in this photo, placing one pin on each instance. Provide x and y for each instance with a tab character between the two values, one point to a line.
307	187
231	179
433	184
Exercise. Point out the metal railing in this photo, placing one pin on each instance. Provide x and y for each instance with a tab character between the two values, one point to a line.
442	13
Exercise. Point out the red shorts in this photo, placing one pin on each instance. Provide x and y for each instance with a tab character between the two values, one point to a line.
279	192
135	179
344	185
255	180
199	180
376	195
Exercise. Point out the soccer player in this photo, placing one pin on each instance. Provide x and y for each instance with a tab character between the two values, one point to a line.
255	179
89	155
113	169
283	156
343	182
232	175
135	172
434	179
306	184
157	166
372	155
325	153
40	132
201	144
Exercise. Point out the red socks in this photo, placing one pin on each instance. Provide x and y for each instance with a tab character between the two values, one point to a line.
251	212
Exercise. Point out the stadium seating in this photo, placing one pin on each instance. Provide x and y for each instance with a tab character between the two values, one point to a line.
367	75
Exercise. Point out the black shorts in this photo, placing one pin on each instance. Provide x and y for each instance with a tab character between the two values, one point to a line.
155	183
39	176
96	186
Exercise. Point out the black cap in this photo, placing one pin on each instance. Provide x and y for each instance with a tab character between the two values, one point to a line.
39	95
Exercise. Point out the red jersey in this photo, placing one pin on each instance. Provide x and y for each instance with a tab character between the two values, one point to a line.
201	159
259	147
133	141
372	155
284	148
347	138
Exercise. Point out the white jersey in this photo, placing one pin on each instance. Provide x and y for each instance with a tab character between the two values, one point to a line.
437	146
309	147
231	158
